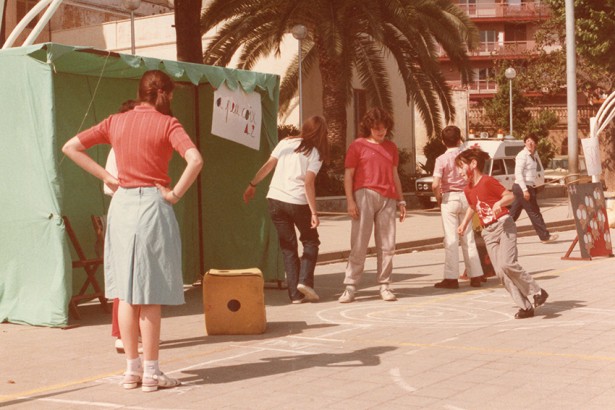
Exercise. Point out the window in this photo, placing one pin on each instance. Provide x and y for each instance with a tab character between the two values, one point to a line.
23	7
510	165
498	168
488	40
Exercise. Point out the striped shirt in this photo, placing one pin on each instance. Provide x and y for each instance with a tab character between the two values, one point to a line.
143	140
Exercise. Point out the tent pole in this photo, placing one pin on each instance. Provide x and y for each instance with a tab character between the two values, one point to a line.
199	188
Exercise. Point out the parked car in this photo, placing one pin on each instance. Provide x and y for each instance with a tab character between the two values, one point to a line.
558	168
501	166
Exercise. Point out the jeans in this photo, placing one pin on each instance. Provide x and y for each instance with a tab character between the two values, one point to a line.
285	217
531	208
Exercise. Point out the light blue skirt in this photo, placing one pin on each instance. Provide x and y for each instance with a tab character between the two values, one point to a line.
143	249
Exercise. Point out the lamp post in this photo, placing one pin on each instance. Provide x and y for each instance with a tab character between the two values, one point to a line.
132	5
300	32
510	73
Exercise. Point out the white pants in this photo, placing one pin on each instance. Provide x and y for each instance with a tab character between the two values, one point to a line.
453	209
376	214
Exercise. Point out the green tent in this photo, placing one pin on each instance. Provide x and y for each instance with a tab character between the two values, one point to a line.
50	92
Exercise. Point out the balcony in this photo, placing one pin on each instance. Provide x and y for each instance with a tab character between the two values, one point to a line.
498	11
506	49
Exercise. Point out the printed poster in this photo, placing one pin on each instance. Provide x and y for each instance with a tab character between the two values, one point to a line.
589	208
237	116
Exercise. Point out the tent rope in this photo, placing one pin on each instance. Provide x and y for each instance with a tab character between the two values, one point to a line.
102	72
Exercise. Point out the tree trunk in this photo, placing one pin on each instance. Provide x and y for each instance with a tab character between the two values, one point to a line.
334	108
188	31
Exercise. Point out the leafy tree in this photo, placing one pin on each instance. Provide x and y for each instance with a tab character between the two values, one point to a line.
595	46
497	109
498	112
347	37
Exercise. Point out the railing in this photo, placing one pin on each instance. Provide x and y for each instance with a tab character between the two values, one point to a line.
506	48
491	10
584	113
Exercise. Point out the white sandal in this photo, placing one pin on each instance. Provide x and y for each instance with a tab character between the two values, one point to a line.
131	380
156	381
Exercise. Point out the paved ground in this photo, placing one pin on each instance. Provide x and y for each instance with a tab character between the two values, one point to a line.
433	348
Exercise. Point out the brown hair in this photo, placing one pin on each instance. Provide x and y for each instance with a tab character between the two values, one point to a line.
154	88
473	153
372	118
127	106
314	135
451	136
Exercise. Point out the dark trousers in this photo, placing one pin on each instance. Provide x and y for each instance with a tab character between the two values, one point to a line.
285	217
531	208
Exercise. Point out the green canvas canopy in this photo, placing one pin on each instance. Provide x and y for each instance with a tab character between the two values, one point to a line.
48	93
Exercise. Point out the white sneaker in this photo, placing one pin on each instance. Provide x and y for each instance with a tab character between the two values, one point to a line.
308	292
347	296
387	295
119	346
551	238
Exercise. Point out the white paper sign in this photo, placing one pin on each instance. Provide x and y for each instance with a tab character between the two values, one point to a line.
592	156
237	116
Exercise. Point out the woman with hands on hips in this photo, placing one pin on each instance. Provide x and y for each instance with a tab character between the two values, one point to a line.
292	202
142	242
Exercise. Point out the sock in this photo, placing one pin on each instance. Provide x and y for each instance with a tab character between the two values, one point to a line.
350	288
384	286
150	367
134	365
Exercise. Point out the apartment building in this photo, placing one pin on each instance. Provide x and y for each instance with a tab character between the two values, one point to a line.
506	30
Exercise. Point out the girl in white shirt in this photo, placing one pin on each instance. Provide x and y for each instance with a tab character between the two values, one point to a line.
292	202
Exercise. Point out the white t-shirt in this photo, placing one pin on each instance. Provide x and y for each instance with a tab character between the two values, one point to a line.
111	167
288	182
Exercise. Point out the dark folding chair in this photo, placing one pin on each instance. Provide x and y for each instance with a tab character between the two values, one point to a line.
89	265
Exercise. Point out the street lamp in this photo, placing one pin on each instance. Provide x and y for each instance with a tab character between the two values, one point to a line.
300	32
132	5
510	73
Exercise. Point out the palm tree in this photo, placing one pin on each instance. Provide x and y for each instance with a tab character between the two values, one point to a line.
346	37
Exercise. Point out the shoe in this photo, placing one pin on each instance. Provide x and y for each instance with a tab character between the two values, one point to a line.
119	346
476	282
131	380
158	381
551	238
298	301
447	284
347	296
524	313
308	292
387	295
541	298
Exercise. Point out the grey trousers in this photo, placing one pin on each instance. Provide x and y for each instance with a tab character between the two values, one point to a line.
376	213
501	243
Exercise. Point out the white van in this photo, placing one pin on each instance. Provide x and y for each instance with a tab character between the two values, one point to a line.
501	166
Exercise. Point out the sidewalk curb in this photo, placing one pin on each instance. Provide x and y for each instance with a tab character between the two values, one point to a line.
436	243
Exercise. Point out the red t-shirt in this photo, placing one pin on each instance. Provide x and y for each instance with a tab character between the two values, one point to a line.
373	165
143	140
483	196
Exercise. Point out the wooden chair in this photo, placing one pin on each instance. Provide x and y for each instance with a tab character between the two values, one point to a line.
89	265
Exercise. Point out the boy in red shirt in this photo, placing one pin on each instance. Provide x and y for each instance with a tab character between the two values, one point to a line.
488	198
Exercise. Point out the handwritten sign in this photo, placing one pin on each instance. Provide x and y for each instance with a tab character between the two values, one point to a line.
237	116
